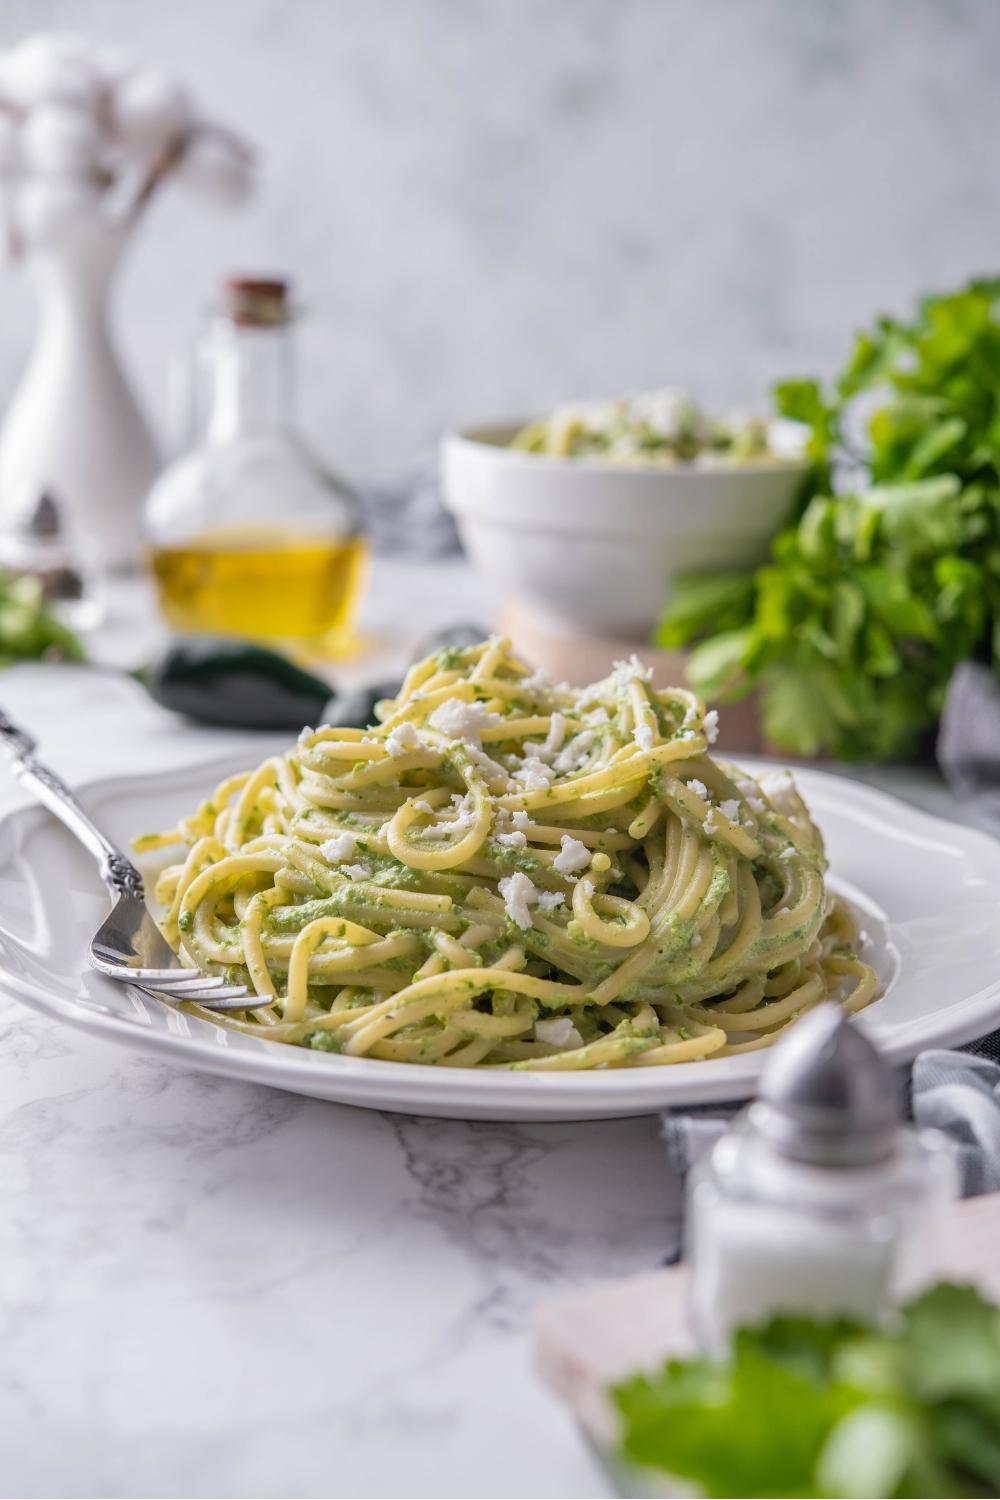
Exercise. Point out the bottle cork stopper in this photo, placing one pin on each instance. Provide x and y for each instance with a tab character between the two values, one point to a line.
256	302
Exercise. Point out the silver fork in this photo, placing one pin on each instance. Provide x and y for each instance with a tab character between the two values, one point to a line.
128	945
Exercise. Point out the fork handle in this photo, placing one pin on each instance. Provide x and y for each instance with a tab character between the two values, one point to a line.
118	873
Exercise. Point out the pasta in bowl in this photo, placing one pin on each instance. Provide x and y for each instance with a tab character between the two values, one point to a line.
510	874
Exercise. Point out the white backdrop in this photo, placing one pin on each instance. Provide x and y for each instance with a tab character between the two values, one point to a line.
492	205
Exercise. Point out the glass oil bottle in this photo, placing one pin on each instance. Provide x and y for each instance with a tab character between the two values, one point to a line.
247	536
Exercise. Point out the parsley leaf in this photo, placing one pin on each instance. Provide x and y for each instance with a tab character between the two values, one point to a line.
951	1345
812	1409
891	575
752	1430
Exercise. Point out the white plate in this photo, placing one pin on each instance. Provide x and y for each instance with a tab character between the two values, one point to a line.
929	892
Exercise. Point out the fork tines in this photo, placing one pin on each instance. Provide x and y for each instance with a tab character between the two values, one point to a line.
230	998
180	984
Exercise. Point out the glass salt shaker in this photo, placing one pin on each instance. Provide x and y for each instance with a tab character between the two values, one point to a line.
247	535
818	1201
39	542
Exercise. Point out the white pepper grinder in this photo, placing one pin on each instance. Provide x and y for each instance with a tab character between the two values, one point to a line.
818	1201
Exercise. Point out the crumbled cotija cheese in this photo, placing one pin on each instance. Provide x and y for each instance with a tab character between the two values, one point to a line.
537	685
699	787
556	735
559	1032
751	792
403	740
730	810
515	840
573	856
462	721
357	872
710	725
633	668
482	762
643	736
576	752
549	900
509	828
517	891
337	849
553	742
455	819
534	776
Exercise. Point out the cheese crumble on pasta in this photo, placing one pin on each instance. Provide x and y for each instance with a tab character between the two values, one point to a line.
510	874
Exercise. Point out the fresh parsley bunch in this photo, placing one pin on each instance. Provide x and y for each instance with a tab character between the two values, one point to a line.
873	596
828	1409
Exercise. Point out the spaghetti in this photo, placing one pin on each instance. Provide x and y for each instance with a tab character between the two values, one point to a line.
508	874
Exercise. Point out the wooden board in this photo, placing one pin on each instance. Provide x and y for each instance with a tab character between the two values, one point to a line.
594	1338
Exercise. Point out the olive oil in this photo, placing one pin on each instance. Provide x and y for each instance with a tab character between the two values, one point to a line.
247	534
264	587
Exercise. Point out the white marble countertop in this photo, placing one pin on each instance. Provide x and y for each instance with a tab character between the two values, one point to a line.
212	1288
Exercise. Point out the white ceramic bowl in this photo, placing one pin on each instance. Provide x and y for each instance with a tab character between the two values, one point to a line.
593	547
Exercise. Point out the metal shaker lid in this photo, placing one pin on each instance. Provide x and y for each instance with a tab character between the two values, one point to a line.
826	1096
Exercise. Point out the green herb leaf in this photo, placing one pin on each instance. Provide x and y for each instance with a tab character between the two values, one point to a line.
952	1344
871	598
755	1430
809	1409
704	599
29	631
714	666
868	1452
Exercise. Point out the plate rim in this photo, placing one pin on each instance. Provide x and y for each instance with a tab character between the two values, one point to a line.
436	1092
